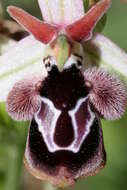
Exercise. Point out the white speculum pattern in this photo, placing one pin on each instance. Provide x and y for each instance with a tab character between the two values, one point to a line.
47	126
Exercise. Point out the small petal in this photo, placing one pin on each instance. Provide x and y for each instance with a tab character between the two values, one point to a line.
42	31
83	28
61	11
108	94
102	52
23	100
24	59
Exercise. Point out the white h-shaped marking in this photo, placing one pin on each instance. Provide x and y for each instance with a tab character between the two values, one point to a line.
49	135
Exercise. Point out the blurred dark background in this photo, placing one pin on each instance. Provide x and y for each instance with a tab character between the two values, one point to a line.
13	176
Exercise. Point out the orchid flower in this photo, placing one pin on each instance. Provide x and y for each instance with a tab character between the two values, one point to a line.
52	79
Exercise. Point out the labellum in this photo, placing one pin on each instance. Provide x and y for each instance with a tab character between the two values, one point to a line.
65	140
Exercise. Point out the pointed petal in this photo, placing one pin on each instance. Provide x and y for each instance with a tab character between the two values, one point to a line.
42	31
104	53
82	29
22	60
61	11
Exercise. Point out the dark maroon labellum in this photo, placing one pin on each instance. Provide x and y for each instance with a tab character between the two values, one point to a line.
65	131
91	151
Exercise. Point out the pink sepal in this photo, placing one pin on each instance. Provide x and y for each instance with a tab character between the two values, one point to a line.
43	32
82	29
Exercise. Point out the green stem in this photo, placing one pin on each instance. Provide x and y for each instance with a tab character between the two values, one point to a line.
13	178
